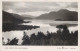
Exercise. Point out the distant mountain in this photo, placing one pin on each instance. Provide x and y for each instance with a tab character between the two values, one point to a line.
27	16
9	18
21	16
61	15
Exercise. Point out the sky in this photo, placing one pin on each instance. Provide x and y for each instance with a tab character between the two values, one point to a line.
37	8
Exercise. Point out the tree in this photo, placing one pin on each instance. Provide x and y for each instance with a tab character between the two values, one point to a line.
14	41
40	35
33	36
3	41
26	40
65	30
59	29
8	41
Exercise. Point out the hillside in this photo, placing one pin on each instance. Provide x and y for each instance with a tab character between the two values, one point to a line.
61	15
21	16
9	18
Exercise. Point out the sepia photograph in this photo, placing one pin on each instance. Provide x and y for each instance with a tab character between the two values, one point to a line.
39	23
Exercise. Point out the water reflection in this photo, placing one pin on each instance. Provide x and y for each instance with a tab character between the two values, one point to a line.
44	27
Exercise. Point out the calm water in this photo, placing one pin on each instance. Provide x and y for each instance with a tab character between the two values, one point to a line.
45	25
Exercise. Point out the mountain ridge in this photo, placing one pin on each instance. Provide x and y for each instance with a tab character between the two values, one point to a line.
61	15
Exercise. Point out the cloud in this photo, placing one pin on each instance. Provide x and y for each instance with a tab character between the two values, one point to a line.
39	7
73	5
10	11
36	13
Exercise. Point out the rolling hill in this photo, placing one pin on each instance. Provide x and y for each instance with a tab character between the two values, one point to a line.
22	16
13	18
61	15
9	18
